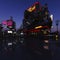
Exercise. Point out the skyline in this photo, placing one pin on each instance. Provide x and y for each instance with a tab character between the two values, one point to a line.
16	8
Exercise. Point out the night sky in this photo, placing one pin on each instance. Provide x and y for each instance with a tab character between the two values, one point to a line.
16	9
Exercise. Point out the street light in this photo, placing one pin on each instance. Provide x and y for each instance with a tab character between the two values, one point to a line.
57	23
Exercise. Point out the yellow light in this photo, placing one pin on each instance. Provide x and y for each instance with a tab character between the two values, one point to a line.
56	37
45	32
31	9
38	27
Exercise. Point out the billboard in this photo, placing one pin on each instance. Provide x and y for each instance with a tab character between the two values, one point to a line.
8	22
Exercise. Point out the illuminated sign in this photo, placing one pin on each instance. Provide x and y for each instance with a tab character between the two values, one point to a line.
9	22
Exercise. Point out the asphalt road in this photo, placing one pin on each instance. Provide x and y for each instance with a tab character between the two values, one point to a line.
21	53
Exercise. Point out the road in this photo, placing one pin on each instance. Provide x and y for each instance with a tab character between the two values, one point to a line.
21	53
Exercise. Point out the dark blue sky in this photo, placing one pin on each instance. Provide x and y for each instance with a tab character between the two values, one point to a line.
16	9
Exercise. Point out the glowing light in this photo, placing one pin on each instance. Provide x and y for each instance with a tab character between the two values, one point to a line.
51	16
8	22
10	32
56	37
21	33
31	9
46	41
46	47
38	27
9	43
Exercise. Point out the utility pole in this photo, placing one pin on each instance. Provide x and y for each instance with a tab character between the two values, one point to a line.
57	33
57	23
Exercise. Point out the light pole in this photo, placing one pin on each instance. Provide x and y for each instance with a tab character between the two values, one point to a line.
57	23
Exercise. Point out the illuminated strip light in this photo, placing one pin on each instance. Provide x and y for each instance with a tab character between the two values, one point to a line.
31	9
38	27
41	27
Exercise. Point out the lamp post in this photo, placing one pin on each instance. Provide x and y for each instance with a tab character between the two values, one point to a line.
57	34
57	23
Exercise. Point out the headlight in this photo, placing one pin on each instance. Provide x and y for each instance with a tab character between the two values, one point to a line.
10	32
9	44
22	33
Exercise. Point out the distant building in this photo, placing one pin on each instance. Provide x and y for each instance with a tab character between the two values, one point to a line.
10	24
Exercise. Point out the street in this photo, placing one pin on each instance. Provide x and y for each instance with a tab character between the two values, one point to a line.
21	53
